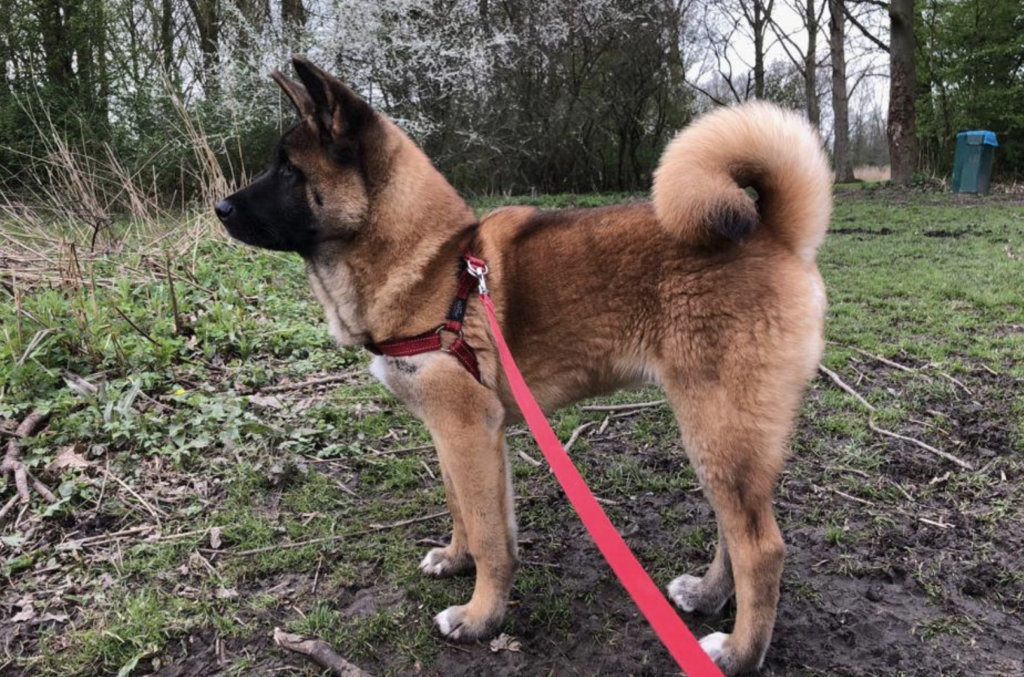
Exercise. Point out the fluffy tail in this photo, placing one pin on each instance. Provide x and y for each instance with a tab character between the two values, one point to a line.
699	186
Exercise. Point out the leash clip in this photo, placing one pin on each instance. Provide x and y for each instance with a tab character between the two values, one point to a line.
480	273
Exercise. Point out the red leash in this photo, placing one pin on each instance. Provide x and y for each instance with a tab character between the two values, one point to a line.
674	634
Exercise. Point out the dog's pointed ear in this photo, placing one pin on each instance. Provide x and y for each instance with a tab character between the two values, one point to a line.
339	110
297	93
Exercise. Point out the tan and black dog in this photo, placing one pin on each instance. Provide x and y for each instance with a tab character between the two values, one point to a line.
706	292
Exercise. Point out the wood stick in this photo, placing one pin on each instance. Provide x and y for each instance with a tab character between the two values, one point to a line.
576	434
927	447
842	384
337	537
956	381
883	360
155	512
622	407
320	652
12	459
530	459
337	378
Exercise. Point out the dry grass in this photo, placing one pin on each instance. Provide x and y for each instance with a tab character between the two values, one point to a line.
77	206
871	173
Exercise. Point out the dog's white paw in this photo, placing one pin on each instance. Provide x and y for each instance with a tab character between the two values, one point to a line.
441	562
714	646
464	624
434	563
685	592
450	622
691	593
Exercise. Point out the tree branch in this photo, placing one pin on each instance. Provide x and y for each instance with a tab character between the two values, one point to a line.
864	31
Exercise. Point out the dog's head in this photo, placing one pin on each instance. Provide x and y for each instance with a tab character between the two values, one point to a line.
318	187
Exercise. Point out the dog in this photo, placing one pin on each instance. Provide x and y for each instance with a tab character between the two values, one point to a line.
709	291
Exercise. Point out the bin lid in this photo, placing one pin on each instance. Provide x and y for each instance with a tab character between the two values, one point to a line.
979	137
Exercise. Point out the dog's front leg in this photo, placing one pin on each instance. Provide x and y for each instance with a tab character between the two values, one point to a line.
467	425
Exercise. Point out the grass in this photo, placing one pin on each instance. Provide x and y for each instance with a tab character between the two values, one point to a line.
933	283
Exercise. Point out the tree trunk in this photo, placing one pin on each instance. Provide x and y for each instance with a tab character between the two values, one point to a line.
207	17
759	26
902	81
811	66
167	36
840	98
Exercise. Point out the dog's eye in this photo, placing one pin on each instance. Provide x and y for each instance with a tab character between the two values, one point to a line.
290	171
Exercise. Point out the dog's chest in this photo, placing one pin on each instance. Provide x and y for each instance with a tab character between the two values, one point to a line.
402	376
334	289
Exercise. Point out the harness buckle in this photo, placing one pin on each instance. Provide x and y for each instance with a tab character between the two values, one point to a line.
480	273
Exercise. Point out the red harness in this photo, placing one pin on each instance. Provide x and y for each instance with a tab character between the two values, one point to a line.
430	341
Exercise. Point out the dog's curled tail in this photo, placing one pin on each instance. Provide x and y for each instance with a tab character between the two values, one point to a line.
699	188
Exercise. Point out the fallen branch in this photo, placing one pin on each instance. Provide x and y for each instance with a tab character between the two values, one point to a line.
884	360
622	407
320	652
327	380
576	434
12	464
404	450
957	382
842	384
157	513
530	459
927	447
327	539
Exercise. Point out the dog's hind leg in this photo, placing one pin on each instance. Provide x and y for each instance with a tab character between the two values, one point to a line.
735	438
467	423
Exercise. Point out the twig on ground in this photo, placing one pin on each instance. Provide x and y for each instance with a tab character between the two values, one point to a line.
942	525
136	327
842	384
175	315
576	434
327	539
101	539
347	490
927	447
426	447
884	360
157	513
316	576
427	468
12	464
405	450
848	497
957	382
320	652
7	506
622	407
337	378
530	459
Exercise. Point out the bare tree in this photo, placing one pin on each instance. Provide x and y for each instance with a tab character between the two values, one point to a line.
840	99
724	25
758	16
805	59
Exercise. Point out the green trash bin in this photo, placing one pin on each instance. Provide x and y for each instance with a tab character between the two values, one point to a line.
972	164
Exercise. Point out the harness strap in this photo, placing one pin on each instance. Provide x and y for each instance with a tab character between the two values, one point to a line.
431	341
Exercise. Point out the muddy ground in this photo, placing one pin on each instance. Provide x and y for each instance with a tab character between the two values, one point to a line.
923	587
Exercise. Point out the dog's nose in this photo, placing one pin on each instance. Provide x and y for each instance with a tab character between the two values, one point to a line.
223	209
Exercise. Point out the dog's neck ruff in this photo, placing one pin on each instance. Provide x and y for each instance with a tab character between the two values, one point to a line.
431	341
